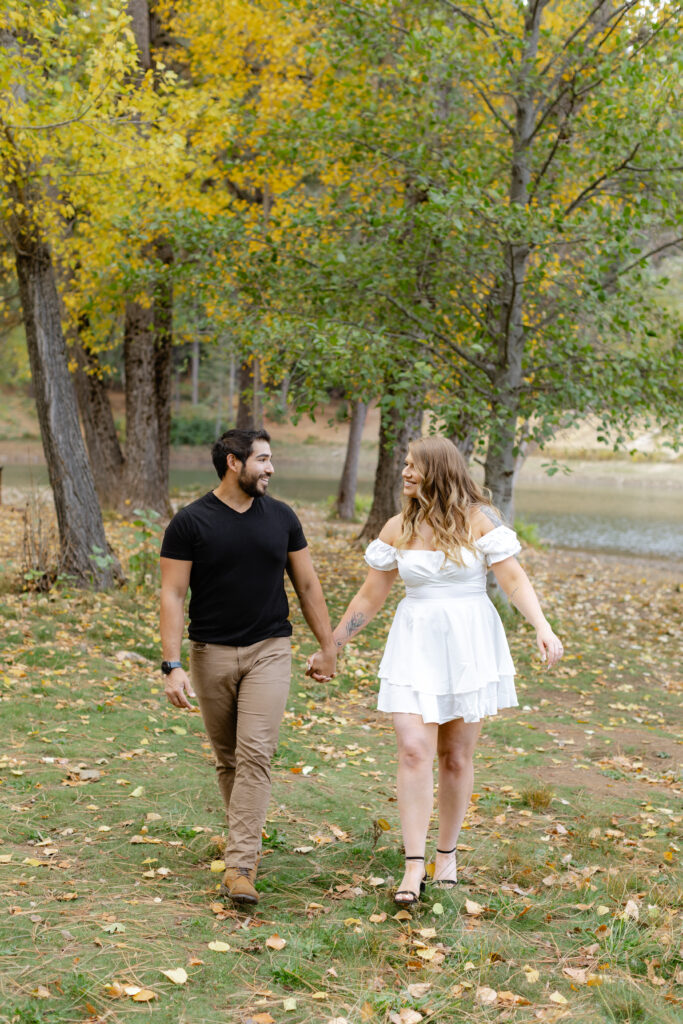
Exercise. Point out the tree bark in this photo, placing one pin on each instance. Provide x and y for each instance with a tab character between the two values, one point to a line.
346	497
79	519
398	426
510	329
249	405
104	450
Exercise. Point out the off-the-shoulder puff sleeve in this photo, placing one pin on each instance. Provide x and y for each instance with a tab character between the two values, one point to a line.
498	544
382	556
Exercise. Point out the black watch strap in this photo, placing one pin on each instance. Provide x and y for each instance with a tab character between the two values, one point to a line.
168	666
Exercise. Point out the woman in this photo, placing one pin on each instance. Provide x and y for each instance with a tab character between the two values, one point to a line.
447	663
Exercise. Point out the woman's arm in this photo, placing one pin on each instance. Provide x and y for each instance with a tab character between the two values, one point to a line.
516	586
364	606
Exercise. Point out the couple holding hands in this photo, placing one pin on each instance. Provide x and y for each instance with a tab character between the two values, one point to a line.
446	665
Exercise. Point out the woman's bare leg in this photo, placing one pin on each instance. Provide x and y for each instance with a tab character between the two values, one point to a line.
415	788
455	748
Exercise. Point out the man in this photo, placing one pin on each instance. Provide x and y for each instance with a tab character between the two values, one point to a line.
231	548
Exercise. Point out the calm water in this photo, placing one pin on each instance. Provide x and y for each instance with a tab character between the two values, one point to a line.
629	518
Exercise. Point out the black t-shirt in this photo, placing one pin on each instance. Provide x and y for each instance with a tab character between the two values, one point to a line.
238	561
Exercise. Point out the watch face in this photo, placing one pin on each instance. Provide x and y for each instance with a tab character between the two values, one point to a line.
168	666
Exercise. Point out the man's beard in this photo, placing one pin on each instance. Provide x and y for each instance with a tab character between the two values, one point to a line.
254	486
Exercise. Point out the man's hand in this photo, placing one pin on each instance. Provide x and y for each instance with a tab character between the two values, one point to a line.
177	686
321	666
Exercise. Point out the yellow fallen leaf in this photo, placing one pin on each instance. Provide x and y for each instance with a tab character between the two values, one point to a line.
195	962
114	927
262	1018
557	997
375	881
507	998
5	858
473	908
41	992
138	791
115	989
276	942
348	921
377	918
178	975
531	974
427	933
631	911
437	909
318	995
383	824
289	1004
402	915
217	866
145	995
405	1016
601	911
219	947
33	862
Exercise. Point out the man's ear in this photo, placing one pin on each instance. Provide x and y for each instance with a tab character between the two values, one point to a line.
233	463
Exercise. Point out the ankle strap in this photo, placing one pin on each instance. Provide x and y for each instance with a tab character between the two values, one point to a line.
447	851
414	858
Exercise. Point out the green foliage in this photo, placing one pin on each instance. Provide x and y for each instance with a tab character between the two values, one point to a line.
143	563
528	534
193	430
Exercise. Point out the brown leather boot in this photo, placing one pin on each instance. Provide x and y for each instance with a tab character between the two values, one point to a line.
238	885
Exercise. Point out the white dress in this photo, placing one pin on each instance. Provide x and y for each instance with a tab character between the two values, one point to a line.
447	655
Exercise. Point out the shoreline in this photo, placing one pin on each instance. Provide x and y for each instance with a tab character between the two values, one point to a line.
328	455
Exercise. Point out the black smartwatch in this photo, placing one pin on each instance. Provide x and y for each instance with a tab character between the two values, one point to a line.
168	666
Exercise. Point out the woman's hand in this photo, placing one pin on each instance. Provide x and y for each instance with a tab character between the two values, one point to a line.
320	666
549	645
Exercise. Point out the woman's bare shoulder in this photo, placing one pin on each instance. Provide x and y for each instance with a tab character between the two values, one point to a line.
483	519
391	530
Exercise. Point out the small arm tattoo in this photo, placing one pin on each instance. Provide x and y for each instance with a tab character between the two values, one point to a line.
510	596
356	622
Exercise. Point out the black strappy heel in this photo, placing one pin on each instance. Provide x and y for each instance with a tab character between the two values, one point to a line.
413	897
446	883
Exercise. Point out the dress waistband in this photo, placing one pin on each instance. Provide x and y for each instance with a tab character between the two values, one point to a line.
446	592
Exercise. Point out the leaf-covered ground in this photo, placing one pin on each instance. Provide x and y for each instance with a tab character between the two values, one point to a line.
568	906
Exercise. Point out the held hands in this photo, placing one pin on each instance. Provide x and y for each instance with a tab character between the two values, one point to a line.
321	666
178	688
549	645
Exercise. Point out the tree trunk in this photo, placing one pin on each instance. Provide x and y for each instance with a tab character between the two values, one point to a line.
398	426
104	450
249	406
346	497
163	360
79	519
510	330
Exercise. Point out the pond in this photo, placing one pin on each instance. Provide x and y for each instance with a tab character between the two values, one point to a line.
619	517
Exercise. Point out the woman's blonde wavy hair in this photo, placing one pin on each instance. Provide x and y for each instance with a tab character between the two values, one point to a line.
446	497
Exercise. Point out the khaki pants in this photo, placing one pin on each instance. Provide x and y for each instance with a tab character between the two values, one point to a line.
242	693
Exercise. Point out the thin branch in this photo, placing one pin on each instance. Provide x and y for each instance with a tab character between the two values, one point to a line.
594	185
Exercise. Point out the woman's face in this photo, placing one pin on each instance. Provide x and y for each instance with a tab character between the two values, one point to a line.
411	477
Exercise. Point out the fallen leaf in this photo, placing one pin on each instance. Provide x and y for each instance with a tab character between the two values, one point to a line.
375	881
427	933
114	927
383	824
631	911
405	1016
377	918
473	908
419	989
531	974
145	995
486	996
276	942
261	1018
303	849
5	858
507	998
178	975
402	915
41	992
437	909
289	1004
114	989
601	911
557	997
138	791
319	995
217	866
219	947
577	974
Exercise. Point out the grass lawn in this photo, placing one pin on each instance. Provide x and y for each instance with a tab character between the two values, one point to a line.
568	906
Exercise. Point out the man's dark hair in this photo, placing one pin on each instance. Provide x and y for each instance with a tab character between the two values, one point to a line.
235	442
